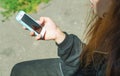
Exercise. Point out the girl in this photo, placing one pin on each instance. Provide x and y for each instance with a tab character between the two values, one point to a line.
98	57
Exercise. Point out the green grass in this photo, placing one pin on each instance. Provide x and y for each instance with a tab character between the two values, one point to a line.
12	6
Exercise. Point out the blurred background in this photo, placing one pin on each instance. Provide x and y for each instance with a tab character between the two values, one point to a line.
15	43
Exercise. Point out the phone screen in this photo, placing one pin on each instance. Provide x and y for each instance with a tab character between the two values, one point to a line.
30	22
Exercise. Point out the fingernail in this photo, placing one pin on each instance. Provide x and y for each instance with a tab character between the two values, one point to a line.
38	21
38	37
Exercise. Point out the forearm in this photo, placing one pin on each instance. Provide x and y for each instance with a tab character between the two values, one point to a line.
69	52
70	49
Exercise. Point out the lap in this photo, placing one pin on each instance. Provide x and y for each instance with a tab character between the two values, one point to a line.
43	67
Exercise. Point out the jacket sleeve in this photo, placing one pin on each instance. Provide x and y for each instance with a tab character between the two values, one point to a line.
69	52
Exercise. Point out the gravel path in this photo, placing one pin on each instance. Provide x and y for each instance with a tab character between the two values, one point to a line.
16	45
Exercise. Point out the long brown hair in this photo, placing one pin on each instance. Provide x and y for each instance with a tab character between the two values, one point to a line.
104	38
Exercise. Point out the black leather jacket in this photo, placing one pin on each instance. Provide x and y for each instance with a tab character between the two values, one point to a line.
69	52
68	64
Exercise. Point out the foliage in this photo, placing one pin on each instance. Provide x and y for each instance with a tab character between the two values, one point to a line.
12	6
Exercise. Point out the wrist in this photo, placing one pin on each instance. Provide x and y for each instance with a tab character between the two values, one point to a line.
60	36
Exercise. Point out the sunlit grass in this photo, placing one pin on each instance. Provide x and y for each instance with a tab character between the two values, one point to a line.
12	6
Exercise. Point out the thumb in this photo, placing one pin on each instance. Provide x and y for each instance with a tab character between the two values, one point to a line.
42	21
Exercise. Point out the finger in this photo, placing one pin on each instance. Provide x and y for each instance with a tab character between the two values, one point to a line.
38	21
25	28
42	21
42	33
32	34
38	37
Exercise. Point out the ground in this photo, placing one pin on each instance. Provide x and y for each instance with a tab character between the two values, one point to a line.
17	46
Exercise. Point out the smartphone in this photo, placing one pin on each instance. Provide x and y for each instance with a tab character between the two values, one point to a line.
28	22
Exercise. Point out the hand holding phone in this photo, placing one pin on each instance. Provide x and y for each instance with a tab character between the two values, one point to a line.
44	28
52	32
28	22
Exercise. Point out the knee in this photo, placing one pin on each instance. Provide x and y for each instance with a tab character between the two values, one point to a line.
20	69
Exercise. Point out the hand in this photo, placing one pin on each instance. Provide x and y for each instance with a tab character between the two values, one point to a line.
52	32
